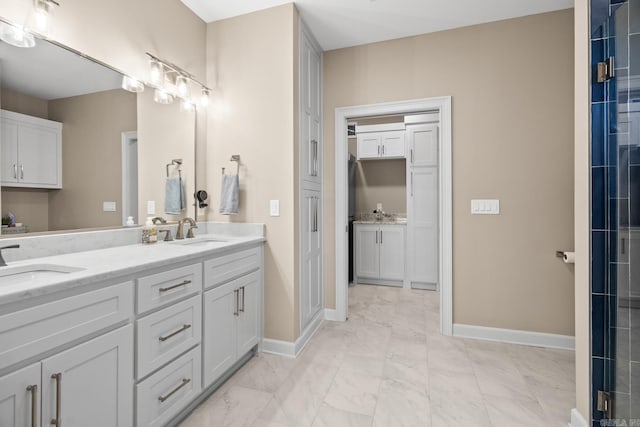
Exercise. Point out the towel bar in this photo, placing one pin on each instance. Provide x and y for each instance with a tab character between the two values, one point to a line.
234	158
175	162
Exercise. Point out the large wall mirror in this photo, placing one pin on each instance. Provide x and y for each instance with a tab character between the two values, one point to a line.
115	144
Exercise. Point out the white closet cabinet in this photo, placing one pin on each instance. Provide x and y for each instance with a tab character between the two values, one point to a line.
87	385
311	296
422	206
381	145
232	319
380	254
31	154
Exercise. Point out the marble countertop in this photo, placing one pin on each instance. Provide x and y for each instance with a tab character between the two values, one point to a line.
111	264
386	221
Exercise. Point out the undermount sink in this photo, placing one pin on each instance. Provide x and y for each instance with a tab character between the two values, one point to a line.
200	242
27	273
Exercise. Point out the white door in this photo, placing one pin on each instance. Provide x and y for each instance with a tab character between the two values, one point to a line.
9	152
423	223
92	382
311	289
20	398
38	156
367	251
368	145
423	144
391	244
310	120
219	331
393	144
249	316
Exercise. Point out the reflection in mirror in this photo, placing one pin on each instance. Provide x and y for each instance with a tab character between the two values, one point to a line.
97	120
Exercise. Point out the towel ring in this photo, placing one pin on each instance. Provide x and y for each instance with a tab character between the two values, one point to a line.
175	162
234	158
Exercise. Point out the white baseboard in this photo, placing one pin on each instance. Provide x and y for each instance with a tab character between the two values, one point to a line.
537	339
292	349
577	420
331	314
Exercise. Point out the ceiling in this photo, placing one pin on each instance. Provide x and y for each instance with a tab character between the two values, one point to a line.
343	23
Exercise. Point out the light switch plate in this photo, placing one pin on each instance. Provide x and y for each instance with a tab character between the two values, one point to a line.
108	206
485	207
151	207
274	207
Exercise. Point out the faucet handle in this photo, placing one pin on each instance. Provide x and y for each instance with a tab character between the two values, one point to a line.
167	237
2	261
190	231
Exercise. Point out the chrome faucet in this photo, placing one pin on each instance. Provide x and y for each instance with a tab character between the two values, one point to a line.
2	261
180	232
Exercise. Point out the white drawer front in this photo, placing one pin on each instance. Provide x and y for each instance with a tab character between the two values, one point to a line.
26	333
161	396
226	267
160	289
165	334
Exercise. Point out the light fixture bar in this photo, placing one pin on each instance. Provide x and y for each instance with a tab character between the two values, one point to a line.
180	71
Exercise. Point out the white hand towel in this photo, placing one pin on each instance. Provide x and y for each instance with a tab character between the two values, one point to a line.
174	202
229	194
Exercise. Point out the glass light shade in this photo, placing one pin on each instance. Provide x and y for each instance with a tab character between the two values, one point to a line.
204	99
42	15
16	36
132	85
162	97
156	72
182	87
187	106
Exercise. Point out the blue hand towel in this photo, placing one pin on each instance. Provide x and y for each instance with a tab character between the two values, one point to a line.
174	202
229	194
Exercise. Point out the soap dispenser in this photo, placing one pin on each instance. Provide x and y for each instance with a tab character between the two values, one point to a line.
149	232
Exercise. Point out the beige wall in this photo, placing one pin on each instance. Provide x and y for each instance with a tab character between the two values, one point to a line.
512	133
30	206
252	59
92	127
119	32
582	207
24	104
383	181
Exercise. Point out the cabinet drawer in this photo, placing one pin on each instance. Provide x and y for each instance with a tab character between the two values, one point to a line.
26	333
227	267
161	396
165	334
160	289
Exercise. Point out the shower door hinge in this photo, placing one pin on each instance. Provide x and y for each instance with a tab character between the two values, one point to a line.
605	403
606	70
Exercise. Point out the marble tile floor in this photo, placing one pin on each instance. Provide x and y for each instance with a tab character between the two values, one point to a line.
389	366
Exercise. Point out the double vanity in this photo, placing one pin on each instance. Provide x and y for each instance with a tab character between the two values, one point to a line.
127	335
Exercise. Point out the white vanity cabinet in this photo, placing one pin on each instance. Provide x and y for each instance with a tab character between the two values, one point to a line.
232	311
381	145
380	253
80	380
31	151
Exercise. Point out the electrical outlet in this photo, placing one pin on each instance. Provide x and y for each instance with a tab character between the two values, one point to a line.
151	207
109	206
274	207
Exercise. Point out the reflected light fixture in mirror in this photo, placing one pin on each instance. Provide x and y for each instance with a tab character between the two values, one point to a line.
42	12
186	106
16	36
182	87
171	80
204	98
132	85
161	96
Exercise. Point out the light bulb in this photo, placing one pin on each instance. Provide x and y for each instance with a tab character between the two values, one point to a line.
42	14
187	106
132	85
162	97
156	72
182	86
204	99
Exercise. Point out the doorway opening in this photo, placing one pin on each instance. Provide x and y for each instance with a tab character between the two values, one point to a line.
343	117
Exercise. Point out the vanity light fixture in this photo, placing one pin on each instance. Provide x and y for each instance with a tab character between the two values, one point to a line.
16	36
42	12
132	85
171	80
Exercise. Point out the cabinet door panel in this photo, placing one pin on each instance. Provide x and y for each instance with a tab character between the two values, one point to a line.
391	243
423	144
9	153
367	251
423	226
311	291
250	314
393	144
219	331
368	145
38	156
16	401
96	383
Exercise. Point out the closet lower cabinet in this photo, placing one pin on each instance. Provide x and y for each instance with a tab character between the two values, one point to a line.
87	385
232	319
380	253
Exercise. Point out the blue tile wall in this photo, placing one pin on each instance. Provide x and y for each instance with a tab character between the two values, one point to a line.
615	205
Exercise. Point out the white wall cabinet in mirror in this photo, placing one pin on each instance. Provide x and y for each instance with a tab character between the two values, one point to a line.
31	151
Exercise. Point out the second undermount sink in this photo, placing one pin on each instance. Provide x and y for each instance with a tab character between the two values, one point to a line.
28	273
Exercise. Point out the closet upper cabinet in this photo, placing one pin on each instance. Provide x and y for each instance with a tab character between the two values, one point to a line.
31	151
383	141
311	111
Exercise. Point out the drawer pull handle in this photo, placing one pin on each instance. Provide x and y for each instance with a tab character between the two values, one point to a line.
34	404
236	301
184	328
58	377
185	381
184	283
242	309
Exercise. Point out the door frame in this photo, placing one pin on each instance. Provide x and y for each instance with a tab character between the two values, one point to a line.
445	240
127	140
